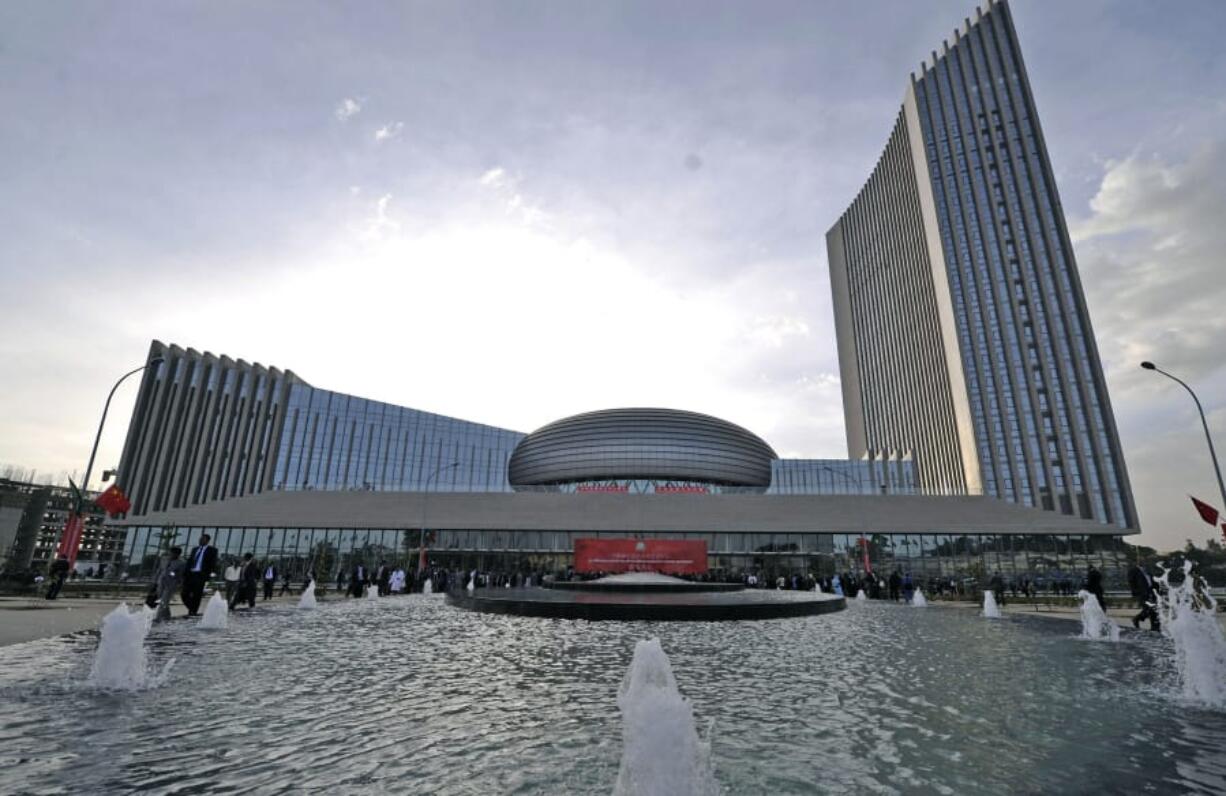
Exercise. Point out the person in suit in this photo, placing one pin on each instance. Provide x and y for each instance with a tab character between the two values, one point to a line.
1094	585
59	571
383	578
199	568
248	582
270	580
170	579
357	581
1146	594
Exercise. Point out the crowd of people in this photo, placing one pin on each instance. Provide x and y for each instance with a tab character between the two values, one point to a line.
188	576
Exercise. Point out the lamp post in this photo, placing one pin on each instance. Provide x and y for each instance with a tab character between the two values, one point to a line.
71	539
1212	453
421	548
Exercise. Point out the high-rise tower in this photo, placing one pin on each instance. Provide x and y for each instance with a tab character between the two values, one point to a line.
963	333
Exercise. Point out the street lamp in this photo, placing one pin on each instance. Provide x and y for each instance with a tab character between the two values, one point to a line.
1212	454
72	532
421	549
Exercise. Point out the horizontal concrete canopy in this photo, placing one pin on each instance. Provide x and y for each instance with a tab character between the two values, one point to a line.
532	511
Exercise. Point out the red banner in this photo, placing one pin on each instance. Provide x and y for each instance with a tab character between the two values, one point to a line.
71	540
679	556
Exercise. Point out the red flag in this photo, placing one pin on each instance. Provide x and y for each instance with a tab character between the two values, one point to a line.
71	539
1207	513
113	501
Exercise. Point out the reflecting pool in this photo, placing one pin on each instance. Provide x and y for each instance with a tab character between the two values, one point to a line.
408	695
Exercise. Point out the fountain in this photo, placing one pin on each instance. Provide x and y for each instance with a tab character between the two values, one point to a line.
216	613
472	585
307	600
861	596
1095	624
647	596
990	609
427	587
917	599
661	750
1189	621
119	662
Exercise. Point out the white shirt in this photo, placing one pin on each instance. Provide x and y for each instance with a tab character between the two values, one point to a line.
233	572
268	574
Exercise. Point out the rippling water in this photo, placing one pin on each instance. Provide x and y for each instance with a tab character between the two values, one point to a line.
407	695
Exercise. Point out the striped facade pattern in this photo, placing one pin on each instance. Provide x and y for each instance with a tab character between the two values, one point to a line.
335	441
1027	370
884	475
663	444
204	428
886	312
208	428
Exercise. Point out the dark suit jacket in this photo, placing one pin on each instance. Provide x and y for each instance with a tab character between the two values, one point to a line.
251	573
1137	582
209	565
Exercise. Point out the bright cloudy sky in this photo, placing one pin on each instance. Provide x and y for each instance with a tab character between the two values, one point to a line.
514	211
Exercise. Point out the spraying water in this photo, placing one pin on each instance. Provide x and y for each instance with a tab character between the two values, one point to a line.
990	609
861	596
1095	624
917	599
216	613
1188	620
428	587
308	596
661	751
120	660
817	587
372	592
472	585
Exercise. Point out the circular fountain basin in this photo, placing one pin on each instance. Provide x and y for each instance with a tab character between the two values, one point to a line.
646	596
641	582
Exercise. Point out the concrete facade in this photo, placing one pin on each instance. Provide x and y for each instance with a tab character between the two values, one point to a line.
963	332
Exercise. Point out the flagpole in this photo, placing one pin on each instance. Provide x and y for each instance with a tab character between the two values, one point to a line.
69	545
1217	469
421	549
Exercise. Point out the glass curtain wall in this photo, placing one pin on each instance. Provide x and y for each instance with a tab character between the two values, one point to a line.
1052	564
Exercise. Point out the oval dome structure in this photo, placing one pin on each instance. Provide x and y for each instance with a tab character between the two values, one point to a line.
650	444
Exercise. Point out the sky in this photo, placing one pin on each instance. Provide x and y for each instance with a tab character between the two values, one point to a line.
510	212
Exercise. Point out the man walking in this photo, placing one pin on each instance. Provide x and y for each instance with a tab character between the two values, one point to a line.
996	585
270	580
895	585
1094	585
357	581
247	583
170	579
233	573
1142	586
201	563
57	572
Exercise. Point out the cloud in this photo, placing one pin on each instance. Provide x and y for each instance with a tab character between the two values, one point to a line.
1151	258
348	108
389	131
495	176
379	226
1150	254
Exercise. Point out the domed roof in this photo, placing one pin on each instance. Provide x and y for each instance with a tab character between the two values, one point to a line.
657	444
